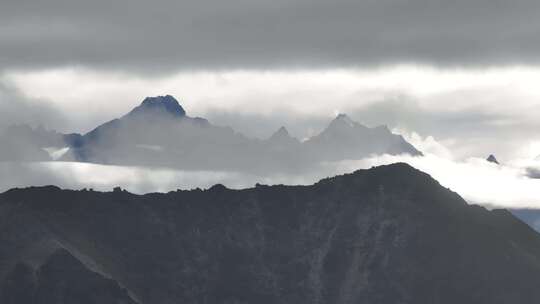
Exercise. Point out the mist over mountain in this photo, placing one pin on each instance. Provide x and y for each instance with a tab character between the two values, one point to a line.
390	234
158	132
25	143
347	139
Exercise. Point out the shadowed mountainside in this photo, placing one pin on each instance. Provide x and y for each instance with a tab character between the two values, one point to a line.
390	234
61	279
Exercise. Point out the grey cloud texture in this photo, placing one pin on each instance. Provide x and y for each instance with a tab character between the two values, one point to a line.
15	108
166	34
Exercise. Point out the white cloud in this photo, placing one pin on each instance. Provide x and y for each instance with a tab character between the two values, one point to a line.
475	179
470	110
428	145
242	89
262	92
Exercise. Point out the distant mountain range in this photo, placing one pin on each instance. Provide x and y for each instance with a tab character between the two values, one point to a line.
158	132
390	234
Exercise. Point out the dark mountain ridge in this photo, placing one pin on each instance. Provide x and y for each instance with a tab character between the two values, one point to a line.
390	234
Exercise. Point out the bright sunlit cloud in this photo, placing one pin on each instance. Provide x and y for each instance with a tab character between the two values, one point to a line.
203	90
470	110
475	179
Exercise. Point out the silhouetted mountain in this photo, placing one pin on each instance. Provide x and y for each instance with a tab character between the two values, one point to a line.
491	158
386	235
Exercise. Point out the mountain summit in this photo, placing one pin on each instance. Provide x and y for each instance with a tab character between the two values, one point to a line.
343	121
159	105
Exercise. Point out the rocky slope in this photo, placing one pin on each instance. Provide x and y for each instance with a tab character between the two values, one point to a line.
62	279
386	235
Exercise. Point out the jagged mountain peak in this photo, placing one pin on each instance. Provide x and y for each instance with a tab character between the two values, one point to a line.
159	104
343	122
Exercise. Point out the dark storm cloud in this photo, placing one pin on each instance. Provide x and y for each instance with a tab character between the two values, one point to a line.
240	33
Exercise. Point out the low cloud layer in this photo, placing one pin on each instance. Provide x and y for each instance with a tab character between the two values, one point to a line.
166	34
475	179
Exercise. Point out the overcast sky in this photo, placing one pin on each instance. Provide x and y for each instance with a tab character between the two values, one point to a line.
464	72
171	34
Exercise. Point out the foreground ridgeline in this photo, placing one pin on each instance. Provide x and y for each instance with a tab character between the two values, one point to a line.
386	235
158	132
